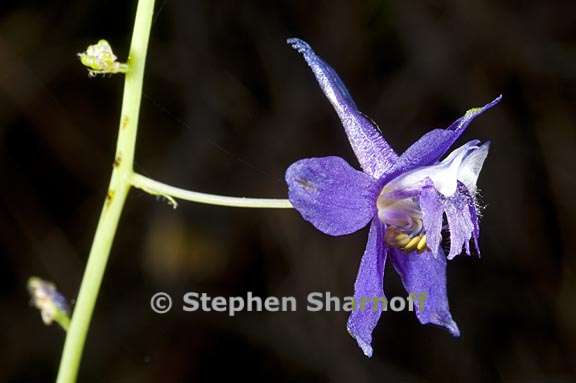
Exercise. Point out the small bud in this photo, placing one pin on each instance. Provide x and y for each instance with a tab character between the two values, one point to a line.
99	59
52	305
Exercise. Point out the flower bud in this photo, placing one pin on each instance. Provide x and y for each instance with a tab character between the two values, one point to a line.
99	59
52	305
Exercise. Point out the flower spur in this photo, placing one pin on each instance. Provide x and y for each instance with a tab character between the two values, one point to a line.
403	197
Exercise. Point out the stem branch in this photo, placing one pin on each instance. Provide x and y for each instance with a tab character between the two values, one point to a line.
158	188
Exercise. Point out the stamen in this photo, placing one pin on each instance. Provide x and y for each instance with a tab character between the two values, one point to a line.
403	218
402	239
412	243
421	244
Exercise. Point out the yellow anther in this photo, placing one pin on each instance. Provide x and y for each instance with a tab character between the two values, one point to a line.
402	239
412	243
422	243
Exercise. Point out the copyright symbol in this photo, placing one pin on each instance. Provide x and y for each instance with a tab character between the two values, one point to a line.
161	303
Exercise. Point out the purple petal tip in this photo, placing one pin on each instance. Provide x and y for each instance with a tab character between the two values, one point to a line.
493	102
453	329
366	348
300	45
490	105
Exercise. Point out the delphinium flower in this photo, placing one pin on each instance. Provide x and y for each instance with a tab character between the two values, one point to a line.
403	197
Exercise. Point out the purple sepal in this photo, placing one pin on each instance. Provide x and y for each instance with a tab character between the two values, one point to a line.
423	273
369	284
336	198
434	144
374	154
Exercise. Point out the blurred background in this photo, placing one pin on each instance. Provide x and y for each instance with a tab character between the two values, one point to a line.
228	106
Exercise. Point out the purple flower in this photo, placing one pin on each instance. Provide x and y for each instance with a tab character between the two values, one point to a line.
404	198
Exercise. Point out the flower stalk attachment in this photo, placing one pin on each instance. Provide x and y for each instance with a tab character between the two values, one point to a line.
170	193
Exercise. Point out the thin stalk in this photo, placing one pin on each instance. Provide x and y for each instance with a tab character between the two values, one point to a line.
115	198
121	180
158	188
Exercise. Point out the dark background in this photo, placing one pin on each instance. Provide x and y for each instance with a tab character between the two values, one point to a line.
228	106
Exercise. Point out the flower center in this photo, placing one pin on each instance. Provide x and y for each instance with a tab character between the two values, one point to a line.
403	219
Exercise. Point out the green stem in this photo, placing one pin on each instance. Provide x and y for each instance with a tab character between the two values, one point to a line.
63	321
116	196
158	188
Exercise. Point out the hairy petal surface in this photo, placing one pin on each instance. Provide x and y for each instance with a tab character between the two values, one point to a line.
426	274
434	144
369	284
460	220
461	215
475	223
374	154
336	198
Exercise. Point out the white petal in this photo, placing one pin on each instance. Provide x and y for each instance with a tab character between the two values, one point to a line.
444	175
471	166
